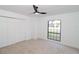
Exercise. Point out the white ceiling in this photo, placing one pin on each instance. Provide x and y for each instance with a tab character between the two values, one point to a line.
50	9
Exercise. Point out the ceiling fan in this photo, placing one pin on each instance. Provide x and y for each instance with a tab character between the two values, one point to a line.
36	10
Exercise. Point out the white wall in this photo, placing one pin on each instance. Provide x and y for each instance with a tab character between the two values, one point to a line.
36	21
19	29
14	30
69	28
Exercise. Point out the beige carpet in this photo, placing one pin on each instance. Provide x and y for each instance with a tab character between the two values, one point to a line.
38	47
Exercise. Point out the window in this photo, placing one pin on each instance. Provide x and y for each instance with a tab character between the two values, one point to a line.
54	30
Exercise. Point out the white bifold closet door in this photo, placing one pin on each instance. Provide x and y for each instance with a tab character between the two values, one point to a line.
11	30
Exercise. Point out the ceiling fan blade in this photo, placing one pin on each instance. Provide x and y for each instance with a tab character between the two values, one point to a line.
42	12
35	8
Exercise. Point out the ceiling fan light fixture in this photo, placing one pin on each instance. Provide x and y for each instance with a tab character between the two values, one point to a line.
37	13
